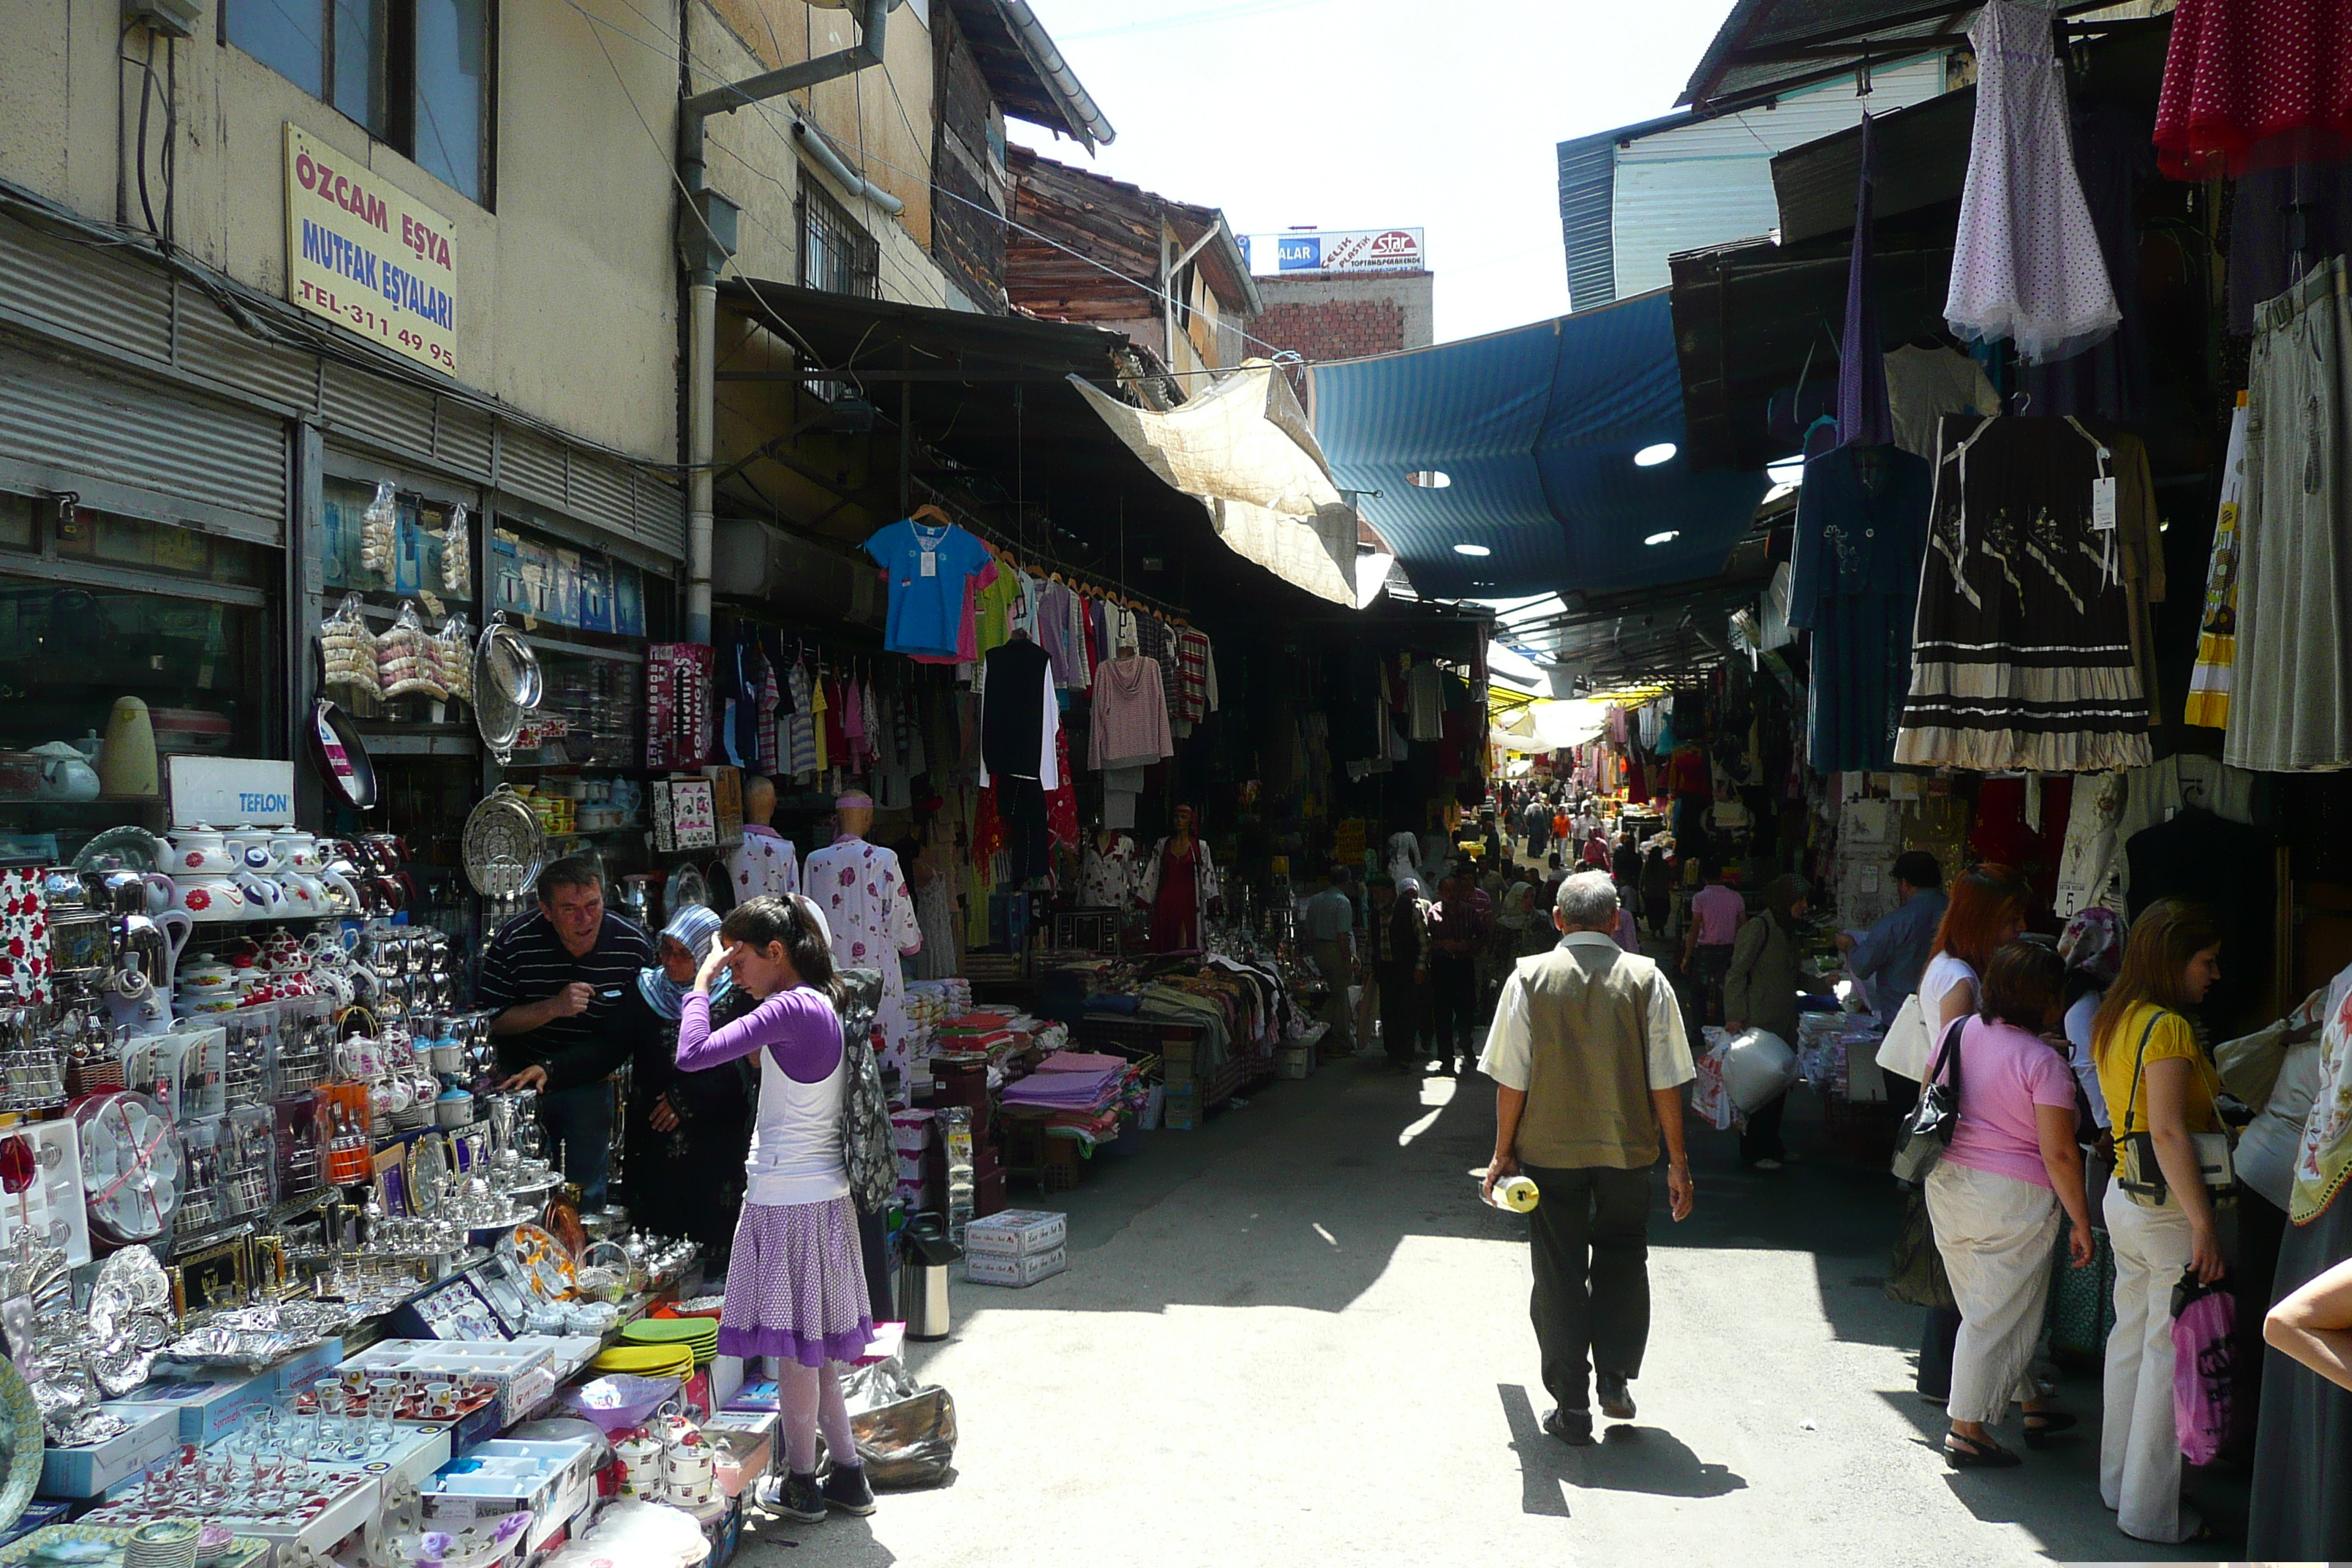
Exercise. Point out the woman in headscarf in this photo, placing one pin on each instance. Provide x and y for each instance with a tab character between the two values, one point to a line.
687	1133
1759	992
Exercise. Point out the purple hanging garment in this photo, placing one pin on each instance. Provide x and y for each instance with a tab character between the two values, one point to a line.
1863	416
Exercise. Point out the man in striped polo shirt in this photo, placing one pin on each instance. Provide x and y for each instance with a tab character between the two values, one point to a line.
557	978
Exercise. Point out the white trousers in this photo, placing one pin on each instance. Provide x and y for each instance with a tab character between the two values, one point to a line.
1996	1234
2140	1447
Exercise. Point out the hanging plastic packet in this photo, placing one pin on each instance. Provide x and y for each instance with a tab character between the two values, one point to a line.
457	642
380	532
456	571
408	658
347	649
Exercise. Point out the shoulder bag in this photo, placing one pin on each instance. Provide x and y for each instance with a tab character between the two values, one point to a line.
1910	1040
1929	1131
2138	1171
868	1151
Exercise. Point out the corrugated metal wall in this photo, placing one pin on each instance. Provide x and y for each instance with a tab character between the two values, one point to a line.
113	367
1587	190
1711	183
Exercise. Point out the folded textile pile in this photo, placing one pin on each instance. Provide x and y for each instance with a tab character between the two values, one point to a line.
1079	1093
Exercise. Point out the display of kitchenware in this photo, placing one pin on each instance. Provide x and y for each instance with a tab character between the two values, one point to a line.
131	849
503	845
131	1163
206	898
202	850
65	771
340	755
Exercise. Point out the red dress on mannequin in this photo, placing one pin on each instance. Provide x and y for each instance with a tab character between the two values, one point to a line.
1176	910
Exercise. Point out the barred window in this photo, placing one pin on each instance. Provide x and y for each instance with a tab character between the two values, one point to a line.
836	255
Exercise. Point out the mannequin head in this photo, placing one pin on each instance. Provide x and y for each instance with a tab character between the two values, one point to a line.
1183	822
854	813
759	800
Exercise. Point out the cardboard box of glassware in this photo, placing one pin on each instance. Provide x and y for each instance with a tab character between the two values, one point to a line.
153	1432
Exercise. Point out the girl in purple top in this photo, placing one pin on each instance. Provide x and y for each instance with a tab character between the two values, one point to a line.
796	1283
1996	1195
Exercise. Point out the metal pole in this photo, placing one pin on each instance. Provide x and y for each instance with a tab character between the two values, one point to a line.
702	349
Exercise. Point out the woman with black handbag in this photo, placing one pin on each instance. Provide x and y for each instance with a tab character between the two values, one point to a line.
2009	1170
2161	1090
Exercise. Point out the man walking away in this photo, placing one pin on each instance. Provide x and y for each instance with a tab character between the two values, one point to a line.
1397	942
1454	927
1588	1052
1331	942
1535	825
1717	914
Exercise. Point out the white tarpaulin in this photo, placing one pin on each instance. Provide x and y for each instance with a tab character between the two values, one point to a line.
1243	449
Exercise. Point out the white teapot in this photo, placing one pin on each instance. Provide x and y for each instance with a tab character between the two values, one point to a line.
210	896
201	851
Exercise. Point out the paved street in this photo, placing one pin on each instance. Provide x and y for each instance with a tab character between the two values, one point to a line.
1294	1337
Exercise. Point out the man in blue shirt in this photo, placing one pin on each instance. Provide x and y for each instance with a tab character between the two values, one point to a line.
1330	925
1891	955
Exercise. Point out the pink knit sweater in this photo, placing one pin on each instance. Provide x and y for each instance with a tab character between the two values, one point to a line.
1131	723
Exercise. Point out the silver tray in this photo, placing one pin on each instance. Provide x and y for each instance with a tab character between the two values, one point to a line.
504	847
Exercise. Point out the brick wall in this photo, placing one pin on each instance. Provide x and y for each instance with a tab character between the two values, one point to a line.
1332	329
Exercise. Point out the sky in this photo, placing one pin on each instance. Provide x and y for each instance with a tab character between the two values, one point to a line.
1376	114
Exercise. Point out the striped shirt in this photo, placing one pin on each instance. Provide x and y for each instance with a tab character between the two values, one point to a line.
527	962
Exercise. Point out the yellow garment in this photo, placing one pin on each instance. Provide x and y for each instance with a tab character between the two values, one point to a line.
817	711
992	608
2118	1053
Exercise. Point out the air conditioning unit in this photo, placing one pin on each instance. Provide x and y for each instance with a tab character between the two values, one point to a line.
795	576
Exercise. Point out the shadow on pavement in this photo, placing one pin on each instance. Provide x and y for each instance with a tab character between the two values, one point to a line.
1628	1458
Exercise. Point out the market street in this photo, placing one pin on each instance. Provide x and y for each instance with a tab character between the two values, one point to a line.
1295	1336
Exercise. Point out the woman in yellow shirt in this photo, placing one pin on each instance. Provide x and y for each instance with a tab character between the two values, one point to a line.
2156	1079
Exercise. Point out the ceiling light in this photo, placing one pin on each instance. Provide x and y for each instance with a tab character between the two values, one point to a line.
1668	537
1652	456
1429	479
1787	471
1472	550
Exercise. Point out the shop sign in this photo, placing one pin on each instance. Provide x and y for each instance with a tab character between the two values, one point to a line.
232	792
1347	250
368	256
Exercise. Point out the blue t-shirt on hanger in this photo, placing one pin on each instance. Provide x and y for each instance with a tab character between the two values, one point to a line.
928	567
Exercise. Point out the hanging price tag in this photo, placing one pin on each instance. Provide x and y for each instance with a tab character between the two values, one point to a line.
930	563
2103	504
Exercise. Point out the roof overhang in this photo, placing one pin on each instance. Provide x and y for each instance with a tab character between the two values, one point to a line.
1026	71
1536	429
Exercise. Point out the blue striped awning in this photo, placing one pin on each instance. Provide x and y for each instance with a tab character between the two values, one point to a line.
1537	428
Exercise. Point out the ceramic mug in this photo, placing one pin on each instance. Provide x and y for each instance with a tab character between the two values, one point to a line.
441	1399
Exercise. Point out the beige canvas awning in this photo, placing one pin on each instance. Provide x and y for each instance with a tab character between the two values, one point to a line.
1243	449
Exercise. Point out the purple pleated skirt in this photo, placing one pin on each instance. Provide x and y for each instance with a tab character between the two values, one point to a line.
796	1285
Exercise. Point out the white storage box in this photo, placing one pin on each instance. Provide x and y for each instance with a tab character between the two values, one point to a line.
555	1480
991	1268
153	1432
1017	1233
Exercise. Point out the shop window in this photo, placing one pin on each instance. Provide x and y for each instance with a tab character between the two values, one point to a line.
114	607
836	255
417	74
421	563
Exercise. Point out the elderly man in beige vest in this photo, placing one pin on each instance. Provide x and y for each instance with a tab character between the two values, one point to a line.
1588	1050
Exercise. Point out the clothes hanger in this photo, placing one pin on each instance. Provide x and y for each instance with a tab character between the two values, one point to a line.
928	510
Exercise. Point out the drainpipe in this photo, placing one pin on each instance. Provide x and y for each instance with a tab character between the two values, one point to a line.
820	150
706	237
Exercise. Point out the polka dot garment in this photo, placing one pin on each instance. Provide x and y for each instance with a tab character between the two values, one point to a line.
2026	264
2255	84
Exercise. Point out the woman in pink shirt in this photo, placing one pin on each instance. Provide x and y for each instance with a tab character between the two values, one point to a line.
1995	1198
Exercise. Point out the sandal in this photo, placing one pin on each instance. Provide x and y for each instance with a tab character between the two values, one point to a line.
2049	1421
1978	1454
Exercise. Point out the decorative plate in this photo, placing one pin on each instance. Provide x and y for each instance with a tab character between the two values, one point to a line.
504	846
504	663
20	1425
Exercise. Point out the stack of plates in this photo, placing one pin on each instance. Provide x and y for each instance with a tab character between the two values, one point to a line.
647	1360
167	1543
700	1335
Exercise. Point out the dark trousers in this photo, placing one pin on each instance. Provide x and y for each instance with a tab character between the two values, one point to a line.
1454	1006
1709	963
1759	1138
1589	1237
578	1123
1937	1338
1401	1004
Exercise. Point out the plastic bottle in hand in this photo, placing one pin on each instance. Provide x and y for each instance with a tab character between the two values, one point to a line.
1516	1194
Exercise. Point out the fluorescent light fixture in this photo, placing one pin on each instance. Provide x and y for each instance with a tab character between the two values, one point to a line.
1787	471
1472	550
1652	456
1429	479
1667	537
